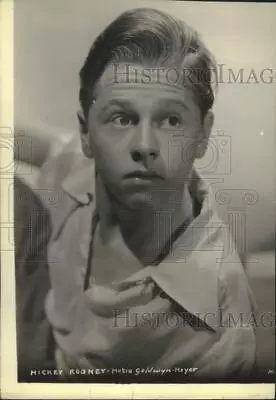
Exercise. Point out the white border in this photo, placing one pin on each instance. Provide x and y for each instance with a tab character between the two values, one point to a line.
10	389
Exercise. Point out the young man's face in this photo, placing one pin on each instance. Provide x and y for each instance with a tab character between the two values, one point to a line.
143	136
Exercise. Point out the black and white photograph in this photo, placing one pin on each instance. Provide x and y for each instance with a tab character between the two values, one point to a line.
144	191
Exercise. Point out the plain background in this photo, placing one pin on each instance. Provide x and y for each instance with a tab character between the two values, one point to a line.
52	39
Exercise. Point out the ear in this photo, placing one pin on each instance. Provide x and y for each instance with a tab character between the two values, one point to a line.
205	134
84	135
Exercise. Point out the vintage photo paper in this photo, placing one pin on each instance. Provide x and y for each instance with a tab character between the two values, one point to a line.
137	199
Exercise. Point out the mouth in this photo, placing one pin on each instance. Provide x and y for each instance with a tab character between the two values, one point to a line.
143	175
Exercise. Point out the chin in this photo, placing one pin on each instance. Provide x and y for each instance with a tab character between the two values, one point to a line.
139	199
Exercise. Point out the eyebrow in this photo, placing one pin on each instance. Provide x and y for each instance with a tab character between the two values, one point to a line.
117	102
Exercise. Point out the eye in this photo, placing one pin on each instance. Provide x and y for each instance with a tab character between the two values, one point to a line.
171	122
123	120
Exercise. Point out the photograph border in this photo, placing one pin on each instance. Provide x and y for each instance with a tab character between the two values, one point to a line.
10	388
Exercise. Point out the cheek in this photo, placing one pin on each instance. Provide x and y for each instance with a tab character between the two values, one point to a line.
179	155
104	155
105	141
107	154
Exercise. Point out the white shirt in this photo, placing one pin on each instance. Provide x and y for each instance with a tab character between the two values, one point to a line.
191	310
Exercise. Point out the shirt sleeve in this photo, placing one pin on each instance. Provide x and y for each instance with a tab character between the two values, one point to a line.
234	355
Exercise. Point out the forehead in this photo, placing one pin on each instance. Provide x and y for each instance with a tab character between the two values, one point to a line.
138	83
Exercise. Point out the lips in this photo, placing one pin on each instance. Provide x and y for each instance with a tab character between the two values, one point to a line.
147	175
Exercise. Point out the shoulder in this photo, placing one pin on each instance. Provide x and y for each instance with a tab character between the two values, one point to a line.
31	216
66	184
58	167
50	186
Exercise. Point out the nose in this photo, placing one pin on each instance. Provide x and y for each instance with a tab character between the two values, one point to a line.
144	145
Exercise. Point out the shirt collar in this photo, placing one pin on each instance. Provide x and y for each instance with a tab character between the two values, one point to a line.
80	182
189	275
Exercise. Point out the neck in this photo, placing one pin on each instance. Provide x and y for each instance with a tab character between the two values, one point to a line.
146	230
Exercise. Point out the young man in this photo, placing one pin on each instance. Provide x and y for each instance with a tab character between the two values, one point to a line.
138	258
